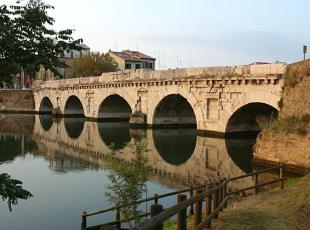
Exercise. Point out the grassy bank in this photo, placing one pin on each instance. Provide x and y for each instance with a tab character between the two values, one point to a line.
276	209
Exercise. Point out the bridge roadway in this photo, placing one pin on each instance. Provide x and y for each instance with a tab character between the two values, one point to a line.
214	99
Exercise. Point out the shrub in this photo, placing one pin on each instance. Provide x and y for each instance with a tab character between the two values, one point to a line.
305	118
288	124
280	103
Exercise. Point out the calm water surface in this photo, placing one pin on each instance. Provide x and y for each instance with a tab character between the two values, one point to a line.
64	164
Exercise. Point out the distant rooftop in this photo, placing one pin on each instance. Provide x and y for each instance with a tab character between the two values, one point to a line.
129	55
84	46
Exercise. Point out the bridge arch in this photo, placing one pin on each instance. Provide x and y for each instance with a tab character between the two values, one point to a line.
182	103
73	107
245	117
46	106
114	107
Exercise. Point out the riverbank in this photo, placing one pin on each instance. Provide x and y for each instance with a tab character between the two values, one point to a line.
273	209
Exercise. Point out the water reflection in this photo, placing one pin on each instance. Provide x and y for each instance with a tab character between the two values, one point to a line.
240	150
174	152
46	121
177	158
74	126
116	134
61	162
175	146
12	146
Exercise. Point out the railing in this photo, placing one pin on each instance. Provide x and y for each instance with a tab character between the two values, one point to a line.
214	195
117	209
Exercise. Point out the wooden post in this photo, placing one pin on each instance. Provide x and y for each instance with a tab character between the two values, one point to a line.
182	215
156	209
118	218
221	193
281	176
256	183
216	199
191	209
225	193
156	198
208	205
198	209
84	221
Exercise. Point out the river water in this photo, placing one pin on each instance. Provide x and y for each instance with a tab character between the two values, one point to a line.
66	165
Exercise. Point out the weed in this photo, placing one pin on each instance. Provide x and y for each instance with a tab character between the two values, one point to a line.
280	103
305	118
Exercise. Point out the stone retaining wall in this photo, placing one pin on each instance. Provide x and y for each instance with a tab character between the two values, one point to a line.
16	100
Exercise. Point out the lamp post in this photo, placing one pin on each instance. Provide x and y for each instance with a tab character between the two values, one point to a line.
305	48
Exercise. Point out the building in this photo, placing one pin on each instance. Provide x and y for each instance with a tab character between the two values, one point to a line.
68	58
72	54
128	59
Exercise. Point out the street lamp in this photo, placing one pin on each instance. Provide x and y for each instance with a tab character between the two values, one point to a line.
305	51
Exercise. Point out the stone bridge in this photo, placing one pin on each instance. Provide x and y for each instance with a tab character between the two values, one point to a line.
216	99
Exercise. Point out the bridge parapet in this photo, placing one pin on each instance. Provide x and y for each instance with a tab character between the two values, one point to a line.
221	72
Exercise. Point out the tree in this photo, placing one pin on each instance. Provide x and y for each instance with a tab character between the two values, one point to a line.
128	181
11	190
28	40
94	64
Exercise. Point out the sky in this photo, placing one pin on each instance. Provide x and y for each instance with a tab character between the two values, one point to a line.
190	33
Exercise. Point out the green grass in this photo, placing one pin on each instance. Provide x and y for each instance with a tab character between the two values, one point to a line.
248	219
169	224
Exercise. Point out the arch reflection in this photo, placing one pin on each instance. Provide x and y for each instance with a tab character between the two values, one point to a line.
116	134
240	150
46	121
175	146
74	126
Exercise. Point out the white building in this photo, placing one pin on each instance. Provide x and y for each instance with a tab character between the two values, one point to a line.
128	59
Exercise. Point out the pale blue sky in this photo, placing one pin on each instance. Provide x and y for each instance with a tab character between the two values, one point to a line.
194	32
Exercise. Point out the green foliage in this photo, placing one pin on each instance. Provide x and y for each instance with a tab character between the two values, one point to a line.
94	64
169	224
12	190
28	40
128	181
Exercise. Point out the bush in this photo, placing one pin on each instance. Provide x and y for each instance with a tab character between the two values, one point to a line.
305	118
288	124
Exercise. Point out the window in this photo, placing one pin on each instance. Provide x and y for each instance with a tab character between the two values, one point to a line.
150	65
127	66
71	54
138	66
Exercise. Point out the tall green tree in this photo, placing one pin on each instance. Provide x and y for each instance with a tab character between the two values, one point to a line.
94	64
28	40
